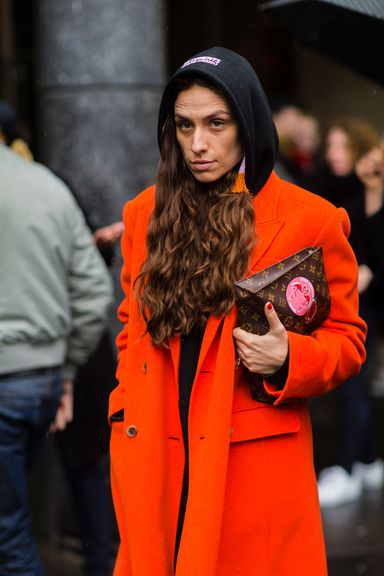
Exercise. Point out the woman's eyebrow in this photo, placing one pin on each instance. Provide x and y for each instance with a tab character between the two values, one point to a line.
219	112
213	114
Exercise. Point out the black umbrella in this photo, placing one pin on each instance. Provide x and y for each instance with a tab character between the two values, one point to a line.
350	32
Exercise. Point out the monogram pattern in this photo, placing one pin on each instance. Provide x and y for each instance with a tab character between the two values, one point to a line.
298	290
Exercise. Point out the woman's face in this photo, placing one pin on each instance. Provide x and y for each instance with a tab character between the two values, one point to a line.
338	153
207	133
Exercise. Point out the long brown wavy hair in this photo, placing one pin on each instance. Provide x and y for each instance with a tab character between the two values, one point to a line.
199	240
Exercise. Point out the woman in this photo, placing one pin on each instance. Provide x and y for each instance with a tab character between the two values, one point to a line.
349	143
205	479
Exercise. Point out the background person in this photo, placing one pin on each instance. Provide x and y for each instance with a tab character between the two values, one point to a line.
286	114
347	142
83	443
55	295
205	479
306	150
370	170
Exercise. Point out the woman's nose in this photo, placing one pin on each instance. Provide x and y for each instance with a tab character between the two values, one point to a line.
199	141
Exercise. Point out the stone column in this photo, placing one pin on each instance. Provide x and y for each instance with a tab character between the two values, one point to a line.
100	72
100	69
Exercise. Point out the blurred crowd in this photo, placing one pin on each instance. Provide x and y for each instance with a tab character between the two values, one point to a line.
341	160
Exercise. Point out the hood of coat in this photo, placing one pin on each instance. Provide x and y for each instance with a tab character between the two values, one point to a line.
236	78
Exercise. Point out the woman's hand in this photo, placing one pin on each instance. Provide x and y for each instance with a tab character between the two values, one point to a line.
263	354
108	234
64	414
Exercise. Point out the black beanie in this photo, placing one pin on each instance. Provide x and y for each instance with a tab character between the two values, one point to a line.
236	78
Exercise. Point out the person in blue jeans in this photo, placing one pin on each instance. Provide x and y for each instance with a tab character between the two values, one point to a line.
28	405
55	293
83	450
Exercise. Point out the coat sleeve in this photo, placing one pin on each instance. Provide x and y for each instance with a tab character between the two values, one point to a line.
90	294
334	351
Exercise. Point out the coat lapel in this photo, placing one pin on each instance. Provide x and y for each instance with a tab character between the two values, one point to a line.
174	345
209	334
266	233
267	224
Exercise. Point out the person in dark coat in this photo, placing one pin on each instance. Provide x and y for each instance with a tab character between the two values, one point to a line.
347	142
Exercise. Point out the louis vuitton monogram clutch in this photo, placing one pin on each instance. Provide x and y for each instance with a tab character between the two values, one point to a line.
298	289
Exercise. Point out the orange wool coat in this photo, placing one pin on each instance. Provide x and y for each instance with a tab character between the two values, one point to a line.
253	506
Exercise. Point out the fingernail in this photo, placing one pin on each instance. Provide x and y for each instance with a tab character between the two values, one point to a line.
269	306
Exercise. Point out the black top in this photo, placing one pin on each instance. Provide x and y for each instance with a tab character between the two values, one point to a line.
189	356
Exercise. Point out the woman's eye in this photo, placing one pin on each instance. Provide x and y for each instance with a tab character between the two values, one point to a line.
183	125
217	123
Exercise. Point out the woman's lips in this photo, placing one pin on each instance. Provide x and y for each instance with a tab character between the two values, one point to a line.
202	164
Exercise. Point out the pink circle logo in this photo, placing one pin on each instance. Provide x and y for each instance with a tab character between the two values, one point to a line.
300	296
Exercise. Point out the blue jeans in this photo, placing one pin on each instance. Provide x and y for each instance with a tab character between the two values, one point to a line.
28	404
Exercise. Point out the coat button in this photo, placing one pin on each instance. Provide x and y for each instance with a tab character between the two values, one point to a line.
145	367
131	431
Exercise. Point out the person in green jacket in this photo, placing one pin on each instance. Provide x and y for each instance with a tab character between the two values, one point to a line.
55	294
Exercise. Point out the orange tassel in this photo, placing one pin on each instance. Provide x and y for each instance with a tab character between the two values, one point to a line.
240	185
